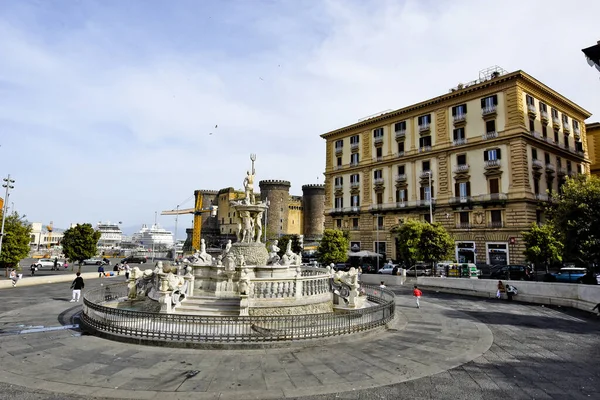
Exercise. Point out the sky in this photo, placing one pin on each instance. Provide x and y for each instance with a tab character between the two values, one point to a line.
111	110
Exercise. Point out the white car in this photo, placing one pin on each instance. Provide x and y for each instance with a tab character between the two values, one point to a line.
387	269
93	261
48	262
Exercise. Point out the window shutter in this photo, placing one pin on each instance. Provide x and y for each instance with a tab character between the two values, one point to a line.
422	193
420	120
455	134
465	108
454	111
485	156
498	153
495	97
468	188
457	189
482	103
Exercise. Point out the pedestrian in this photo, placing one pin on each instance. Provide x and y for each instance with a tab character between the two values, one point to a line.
55	267
382	285
501	289
13	277
510	292
76	286
126	268
417	293
33	268
100	271
597	308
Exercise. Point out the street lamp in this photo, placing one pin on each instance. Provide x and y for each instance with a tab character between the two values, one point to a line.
8	184
175	241
430	200
377	240
268	203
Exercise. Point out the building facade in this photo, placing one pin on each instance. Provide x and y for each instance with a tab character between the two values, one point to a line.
482	160
593	137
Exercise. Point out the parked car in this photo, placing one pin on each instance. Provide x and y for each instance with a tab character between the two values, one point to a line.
341	267
571	275
93	261
421	270
47	262
387	269
512	272
487	270
135	260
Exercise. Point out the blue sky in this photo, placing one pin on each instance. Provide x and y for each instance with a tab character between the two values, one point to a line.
106	107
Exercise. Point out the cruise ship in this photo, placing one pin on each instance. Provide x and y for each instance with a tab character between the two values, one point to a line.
110	235
153	236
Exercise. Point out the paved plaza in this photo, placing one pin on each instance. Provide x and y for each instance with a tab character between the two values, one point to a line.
452	347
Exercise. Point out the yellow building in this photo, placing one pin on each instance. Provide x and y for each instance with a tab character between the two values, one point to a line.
296	216
487	154
593	139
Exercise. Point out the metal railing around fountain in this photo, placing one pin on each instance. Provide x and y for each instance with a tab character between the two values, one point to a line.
101	314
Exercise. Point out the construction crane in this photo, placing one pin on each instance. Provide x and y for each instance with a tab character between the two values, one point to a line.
50	228
197	211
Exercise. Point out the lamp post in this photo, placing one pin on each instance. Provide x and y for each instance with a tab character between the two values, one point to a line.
175	238
430	200
266	217
377	240
8	184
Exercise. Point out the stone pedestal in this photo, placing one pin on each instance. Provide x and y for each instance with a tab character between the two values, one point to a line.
254	253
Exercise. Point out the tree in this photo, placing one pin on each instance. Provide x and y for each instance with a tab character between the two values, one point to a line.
80	241
422	241
542	245
575	214
16	239
334	246
283	241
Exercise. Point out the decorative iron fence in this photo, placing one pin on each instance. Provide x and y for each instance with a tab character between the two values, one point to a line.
103	312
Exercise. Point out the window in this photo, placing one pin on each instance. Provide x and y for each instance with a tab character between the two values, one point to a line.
565	119
534	154
379	152
543	107
575	125
354	158
547	158
339	181
579	146
549	184
400	195
490	126
354	178
355	222
339	144
462	189
339	202
461	159
379	198
536	185
380	221
401	169
459	134
464	217
426	165
531	125
556	136
558	162
566	141
554	113
355	200
569	166
494	186
425	141
377	174
424	120
496	216
489	102
378	132
339	161
459	110
492	154
538	216
400	147
338	223
427	218
354	139
425	193
544	131
400	126
529	100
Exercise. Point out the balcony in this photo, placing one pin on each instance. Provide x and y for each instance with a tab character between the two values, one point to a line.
488	111
354	185
353	146
531	110
571	173
459	118
338	151
379	158
401	178
337	167
536	164
339	186
424	128
425	203
355	228
544	116
577	132
378	140
566	127
548	139
424	149
337	210
425	174
460	200
491	197
354	163
461	168
537	135
495	224
379	228
400	135
489	135
459	142
400	154
562	171
542	197
491	164
463	225
376	207
378	181
550	167
555	122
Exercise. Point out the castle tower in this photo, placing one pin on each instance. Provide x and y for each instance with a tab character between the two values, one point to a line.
278	194
313	206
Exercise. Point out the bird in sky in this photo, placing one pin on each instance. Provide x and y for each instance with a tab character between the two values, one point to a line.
216	126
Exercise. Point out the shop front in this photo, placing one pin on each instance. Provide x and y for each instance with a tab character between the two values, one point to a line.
497	253
465	252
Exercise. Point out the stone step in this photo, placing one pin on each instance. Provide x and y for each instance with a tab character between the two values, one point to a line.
214	312
211	301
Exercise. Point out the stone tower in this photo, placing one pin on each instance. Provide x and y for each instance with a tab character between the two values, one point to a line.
278	194
313	206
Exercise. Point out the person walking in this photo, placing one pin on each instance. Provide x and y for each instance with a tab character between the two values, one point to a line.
76	286
417	293
13	277
501	289
33	268
100	271
126	268
55	266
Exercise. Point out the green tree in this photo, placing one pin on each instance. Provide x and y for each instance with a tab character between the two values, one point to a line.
422	241
542	245
575	214
408	235
334	246
16	239
283	241
80	241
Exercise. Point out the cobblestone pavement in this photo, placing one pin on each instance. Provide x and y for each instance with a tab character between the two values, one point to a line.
439	351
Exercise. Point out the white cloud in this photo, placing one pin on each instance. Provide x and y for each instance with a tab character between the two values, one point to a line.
95	128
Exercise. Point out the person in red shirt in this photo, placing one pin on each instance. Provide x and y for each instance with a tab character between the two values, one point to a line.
417	293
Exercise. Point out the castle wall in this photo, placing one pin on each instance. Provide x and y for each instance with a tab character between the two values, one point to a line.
313	209
278	193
